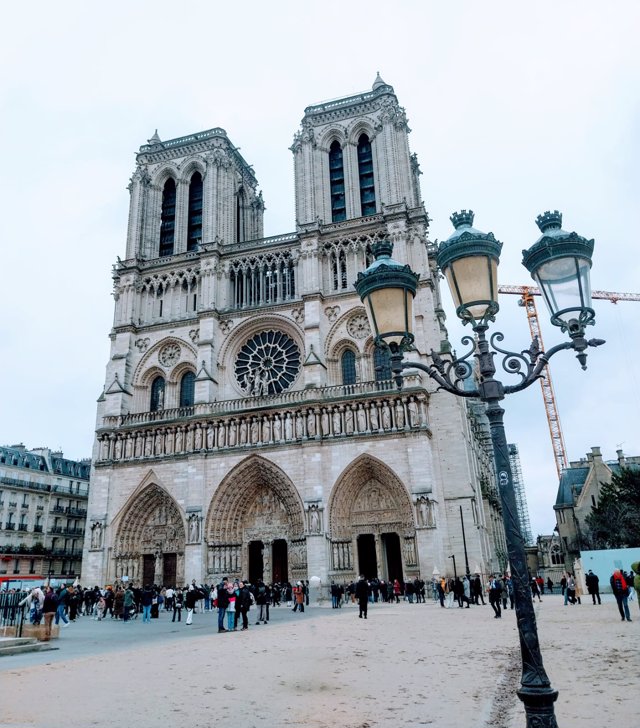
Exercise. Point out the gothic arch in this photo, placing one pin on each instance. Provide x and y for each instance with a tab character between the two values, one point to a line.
255	494
360	127
190	166
150	524
337	337
330	135
367	496
187	354
164	173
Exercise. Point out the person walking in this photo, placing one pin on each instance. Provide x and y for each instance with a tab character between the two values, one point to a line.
63	597
128	603
362	595
49	609
178	600
593	586
223	603
147	599
621	593
190	603
261	602
535	590
298	596
495	593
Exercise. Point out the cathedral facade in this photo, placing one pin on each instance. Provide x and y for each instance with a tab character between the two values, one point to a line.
248	426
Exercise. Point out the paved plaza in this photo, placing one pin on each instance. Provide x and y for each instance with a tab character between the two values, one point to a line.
405	665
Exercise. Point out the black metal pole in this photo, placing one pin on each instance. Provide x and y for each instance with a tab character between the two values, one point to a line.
535	692
464	543
455	573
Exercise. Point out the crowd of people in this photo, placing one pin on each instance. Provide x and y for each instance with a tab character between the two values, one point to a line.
233	599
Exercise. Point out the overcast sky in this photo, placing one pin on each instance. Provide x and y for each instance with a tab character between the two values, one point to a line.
515	108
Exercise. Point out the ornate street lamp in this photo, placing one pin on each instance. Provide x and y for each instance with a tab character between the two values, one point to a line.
560	263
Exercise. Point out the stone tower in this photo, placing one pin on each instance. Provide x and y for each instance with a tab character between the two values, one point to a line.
247	426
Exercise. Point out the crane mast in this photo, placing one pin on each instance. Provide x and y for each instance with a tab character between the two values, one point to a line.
527	301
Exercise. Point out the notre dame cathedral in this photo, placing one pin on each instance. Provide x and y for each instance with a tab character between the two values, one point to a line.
248	426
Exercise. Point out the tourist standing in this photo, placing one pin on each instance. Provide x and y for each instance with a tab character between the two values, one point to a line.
178	599
298	596
593	586
362	595
223	603
147	599
621	593
49	609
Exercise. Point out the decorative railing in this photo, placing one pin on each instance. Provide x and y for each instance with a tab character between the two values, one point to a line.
353	411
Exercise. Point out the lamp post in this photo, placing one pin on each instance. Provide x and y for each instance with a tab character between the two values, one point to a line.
560	263
455	573
464	545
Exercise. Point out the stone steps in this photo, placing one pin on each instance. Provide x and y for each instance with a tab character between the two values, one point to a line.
18	645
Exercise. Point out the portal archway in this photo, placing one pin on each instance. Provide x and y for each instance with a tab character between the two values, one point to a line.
255	525
371	523
150	539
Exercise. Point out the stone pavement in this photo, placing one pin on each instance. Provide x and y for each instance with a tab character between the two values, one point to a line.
406	664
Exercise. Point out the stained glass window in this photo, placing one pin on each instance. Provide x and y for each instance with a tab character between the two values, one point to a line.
187	389
267	364
348	362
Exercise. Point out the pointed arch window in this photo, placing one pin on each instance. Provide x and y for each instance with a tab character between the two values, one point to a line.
194	228
187	389
168	218
157	395
381	363
365	172
336	183
348	364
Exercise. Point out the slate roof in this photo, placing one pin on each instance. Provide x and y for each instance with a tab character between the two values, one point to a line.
571	483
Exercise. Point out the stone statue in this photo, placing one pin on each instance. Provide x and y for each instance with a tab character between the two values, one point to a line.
118	449
148	445
277	428
266	429
244	431
335	421
288	427
299	426
249	380
128	446
189	440
414	413
348	421
210	437
179	439
264	383
198	438
373	417
386	416
255	431
399	415
311	424
361	416
232	433
314	519
96	536
324	423
168	446
221	435
194	528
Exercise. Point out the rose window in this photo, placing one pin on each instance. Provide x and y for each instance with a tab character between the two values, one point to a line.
169	355
267	364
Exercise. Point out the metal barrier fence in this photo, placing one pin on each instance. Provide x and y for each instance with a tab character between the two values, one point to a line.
11	612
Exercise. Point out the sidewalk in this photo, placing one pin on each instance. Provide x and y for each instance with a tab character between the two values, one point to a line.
405	665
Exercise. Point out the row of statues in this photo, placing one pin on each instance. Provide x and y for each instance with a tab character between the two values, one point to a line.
394	414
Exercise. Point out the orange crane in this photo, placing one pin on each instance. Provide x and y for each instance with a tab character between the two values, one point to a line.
553	418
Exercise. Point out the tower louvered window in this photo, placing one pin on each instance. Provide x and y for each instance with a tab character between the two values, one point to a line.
187	389
348	363
365	171
336	183
194	229
157	395
168	218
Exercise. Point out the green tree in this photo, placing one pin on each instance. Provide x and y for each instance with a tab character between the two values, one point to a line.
615	521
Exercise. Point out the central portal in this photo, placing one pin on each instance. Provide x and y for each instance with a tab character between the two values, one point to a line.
391	550
256	561
367	561
280	561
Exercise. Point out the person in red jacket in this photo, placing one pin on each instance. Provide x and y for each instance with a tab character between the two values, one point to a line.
621	593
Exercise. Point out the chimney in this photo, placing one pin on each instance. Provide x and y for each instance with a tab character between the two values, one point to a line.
596	454
621	459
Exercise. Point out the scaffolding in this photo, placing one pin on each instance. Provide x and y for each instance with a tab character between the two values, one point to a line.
521	496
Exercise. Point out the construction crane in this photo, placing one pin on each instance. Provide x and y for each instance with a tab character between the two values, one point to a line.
527	294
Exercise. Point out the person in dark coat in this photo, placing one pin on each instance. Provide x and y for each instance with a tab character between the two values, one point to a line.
593	586
243	604
362	595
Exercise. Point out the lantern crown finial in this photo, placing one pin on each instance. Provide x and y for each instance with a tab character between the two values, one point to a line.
382	249
464	218
549	221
